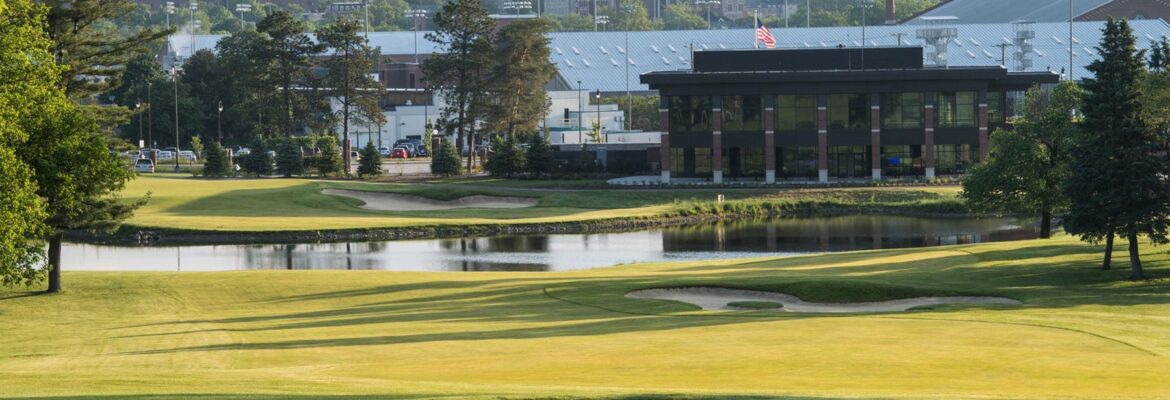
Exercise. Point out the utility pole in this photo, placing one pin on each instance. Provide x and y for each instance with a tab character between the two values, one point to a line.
807	13
1070	40
899	35
175	77
219	121
1003	53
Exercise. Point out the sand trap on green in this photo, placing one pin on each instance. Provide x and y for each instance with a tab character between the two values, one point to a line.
713	298
402	202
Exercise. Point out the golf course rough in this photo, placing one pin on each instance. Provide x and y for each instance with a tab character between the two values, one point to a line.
1082	333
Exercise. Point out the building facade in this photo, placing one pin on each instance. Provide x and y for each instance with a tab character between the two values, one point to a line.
829	114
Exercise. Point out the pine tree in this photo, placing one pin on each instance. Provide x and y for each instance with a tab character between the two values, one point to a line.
370	164
463	28
216	165
258	162
289	158
290	50
538	159
1118	182
446	160
1029	165
517	82
329	161
506	158
355	91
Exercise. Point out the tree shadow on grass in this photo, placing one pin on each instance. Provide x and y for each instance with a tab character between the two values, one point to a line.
242	396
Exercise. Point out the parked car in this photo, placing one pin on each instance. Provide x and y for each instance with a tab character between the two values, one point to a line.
166	155
400	152
189	155
144	165
242	151
421	151
354	155
384	151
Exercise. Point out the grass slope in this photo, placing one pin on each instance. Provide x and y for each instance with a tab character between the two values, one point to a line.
1083	333
180	202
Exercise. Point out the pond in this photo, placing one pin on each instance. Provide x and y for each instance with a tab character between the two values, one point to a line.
738	239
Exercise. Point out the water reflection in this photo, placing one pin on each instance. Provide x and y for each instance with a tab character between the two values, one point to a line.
563	252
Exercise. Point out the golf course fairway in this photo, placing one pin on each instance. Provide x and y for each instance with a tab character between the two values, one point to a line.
1080	332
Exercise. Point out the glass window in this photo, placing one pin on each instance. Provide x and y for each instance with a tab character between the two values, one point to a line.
901	161
742	113
753	161
954	159
956	109
797	162
690	114
796	112
678	162
848	111
901	110
702	160
849	162
995	108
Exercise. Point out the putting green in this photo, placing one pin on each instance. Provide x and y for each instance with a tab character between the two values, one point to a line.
1082	333
181	202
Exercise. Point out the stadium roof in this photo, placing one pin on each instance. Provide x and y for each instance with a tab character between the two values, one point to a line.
596	58
1005	11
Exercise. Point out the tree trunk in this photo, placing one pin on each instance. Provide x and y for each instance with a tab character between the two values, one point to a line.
1108	262
470	147
1046	224
1135	260
54	263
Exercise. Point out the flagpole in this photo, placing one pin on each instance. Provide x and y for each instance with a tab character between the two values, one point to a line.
756	25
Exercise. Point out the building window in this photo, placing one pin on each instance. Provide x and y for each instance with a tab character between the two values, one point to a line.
901	110
956	109
690	114
702	160
742	113
678	165
902	161
797	162
995	108
954	159
796	112
848	111
849	161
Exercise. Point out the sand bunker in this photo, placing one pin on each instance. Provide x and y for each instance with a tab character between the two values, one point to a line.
403	202
712	298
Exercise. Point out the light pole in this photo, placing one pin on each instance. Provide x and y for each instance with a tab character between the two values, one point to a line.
219	121
243	8
170	7
629	99
601	20
708	3
807	13
175	78
191	53
599	115
149	119
517	5
864	6
415	15
580	110
137	105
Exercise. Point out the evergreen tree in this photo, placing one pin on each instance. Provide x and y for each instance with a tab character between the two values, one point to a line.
506	158
1118	182
216	165
329	161
463	28
258	162
355	91
517	83
290	51
289	158
446	160
538	159
1029	165
370	164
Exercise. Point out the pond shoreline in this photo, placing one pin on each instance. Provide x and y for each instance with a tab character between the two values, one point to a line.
131	235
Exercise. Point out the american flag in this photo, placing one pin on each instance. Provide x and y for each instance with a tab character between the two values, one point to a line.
763	35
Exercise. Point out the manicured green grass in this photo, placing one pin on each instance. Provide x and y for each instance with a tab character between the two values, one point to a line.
182	202
1082	333
756	305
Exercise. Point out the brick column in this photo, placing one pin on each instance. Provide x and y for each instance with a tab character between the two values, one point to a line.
875	136
769	139
983	126
717	139
928	125
664	148
822	139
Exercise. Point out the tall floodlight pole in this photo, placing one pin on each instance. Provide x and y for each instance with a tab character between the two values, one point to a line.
598	115
1070	40
595	15
149	117
170	7
175	78
629	98
580	109
864	6
415	15
807	13
193	7
242	8
219	121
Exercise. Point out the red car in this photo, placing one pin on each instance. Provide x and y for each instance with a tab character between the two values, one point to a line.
399	152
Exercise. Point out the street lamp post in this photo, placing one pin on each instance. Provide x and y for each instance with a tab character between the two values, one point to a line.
415	15
629	99
149	120
219	121
864	6
599	115
175	78
580	109
137	105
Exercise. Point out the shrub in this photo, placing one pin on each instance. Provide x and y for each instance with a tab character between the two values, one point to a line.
288	159
371	161
446	161
328	162
217	165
